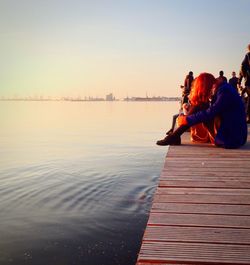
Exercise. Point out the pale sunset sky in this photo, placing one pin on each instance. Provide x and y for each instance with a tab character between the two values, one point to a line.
128	47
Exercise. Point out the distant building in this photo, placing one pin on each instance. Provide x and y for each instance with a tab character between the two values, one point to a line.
110	97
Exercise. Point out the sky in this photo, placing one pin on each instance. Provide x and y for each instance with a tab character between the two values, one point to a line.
83	48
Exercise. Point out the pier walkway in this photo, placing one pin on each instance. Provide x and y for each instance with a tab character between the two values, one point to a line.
201	208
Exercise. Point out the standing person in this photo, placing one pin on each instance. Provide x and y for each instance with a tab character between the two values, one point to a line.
225	118
221	77
234	81
245	73
187	87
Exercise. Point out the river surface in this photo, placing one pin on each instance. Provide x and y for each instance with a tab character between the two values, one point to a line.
77	179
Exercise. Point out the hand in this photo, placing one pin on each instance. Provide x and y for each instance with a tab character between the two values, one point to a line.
181	120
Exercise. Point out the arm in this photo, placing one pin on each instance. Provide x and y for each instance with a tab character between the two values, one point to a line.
220	104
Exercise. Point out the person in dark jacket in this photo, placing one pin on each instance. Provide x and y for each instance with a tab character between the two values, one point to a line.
245	73
187	87
234	81
221	77
225	119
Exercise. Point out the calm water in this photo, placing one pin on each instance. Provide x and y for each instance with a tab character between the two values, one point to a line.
77	179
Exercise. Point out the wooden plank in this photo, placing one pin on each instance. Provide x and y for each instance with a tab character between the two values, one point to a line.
194	253
207	155
206	164
211	150
187	159
204	184
198	235
200	198
201	208
209	191
207	177
159	263
205	174
208	159
214	169
199	220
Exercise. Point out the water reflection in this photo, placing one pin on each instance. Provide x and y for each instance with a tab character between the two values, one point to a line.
77	179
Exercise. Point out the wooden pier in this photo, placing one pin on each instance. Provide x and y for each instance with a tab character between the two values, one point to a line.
201	208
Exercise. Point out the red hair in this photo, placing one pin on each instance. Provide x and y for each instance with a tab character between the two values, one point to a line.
201	90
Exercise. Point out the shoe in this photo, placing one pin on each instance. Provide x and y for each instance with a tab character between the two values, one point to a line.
171	139
169	132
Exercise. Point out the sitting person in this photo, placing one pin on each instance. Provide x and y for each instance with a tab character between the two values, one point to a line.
224	120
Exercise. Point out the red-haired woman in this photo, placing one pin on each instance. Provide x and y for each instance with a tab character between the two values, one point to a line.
226	107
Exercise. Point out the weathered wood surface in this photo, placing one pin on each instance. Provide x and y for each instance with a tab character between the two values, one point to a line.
201	208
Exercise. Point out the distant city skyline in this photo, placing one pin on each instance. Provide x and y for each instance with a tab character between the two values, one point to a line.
108	97
59	48
146	94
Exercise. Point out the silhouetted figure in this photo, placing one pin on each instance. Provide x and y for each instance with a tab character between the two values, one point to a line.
245	73
187	87
234	81
221	77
